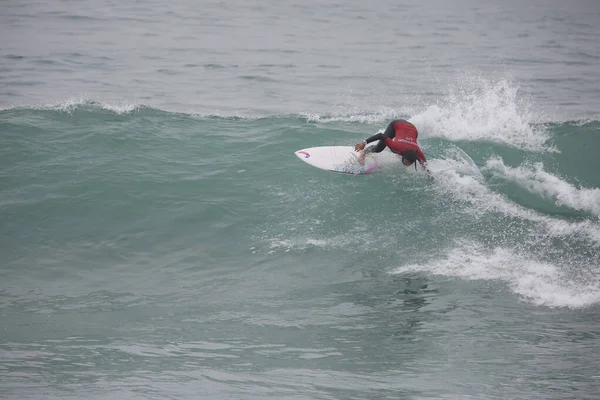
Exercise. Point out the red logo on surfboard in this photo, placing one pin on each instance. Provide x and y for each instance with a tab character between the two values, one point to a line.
304	153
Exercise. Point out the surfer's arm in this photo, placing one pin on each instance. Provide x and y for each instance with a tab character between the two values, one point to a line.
371	139
423	161
389	133
421	157
360	146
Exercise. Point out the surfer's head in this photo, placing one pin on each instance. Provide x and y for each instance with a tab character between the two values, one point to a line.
409	157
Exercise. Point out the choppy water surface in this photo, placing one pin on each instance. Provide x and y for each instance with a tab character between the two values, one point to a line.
161	240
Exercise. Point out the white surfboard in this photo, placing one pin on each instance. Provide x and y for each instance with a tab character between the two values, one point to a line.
342	159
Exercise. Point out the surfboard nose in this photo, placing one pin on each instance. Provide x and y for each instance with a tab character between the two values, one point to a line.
302	154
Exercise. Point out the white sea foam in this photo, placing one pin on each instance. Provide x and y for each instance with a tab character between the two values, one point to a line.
380	116
122	108
73	104
67	106
540	282
469	188
537	181
471	109
479	110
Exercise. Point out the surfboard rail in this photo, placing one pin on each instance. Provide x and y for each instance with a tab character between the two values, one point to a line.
340	159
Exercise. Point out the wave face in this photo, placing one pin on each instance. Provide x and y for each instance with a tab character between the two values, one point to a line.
160	239
512	197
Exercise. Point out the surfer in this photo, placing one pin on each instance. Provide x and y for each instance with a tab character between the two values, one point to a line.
401	137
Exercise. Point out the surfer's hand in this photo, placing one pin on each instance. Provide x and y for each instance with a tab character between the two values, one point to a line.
429	174
359	146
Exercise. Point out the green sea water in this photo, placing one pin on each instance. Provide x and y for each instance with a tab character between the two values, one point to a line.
168	241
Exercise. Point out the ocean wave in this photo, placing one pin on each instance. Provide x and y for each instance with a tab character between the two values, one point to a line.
72	105
381	116
542	282
472	109
479	110
488	115
535	180
470	189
